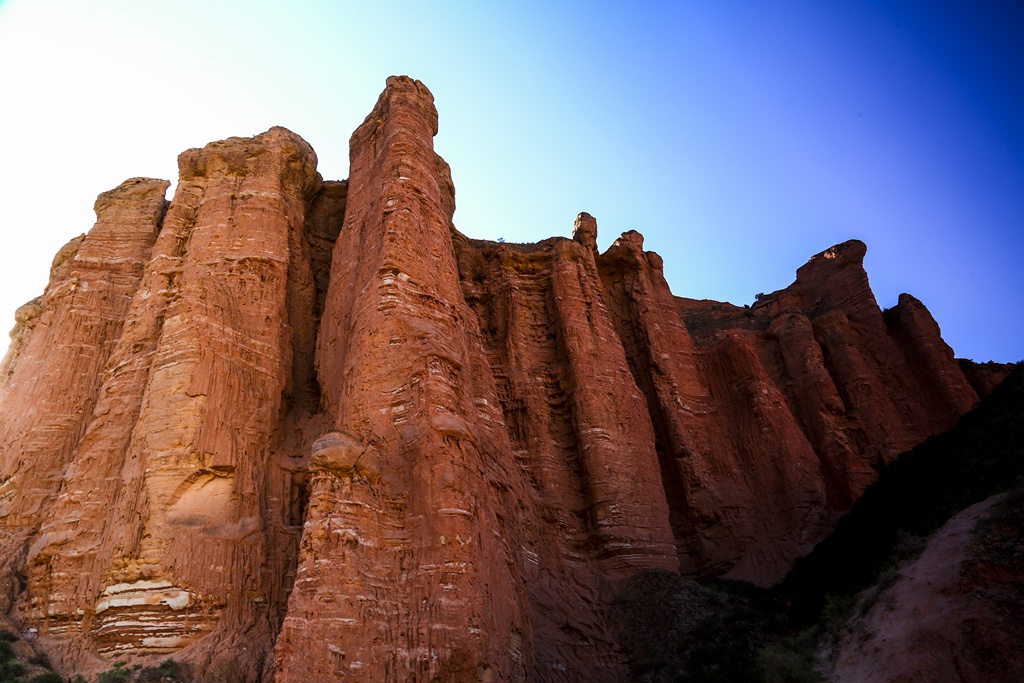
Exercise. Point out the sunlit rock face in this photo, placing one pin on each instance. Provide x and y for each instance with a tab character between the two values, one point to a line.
291	429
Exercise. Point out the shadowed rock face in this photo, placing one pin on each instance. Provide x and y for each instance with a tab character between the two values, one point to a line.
984	377
297	430
863	385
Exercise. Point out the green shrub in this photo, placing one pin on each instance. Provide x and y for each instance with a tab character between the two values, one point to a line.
168	671
48	677
169	667
790	660
119	674
11	671
907	546
835	613
781	663
40	659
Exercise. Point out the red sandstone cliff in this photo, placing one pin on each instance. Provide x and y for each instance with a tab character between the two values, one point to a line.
295	430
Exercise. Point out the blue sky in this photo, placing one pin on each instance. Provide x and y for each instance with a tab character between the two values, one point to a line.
739	137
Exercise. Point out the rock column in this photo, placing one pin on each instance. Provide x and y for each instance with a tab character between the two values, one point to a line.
401	574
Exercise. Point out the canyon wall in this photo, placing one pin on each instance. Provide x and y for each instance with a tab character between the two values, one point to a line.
287	429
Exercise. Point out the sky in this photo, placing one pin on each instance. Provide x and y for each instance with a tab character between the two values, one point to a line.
739	137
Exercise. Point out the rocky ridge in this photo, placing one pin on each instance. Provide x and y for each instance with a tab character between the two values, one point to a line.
292	429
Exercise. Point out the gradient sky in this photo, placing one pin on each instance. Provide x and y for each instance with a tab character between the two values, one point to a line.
739	137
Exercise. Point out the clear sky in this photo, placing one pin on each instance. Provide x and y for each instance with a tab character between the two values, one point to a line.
739	137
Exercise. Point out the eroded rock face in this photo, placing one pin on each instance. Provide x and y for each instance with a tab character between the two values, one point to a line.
295	430
153	532
863	386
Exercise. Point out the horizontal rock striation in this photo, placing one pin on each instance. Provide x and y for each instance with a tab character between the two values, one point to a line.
287	429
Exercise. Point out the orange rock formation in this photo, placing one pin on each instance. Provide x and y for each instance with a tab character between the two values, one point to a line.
293	430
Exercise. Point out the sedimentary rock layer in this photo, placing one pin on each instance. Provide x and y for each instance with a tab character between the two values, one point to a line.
295	430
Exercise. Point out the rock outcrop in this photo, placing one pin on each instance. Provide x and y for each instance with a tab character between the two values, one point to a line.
152	512
287	429
983	377
864	385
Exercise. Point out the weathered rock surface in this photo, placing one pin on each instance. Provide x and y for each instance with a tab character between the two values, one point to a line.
863	386
157	519
300	430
